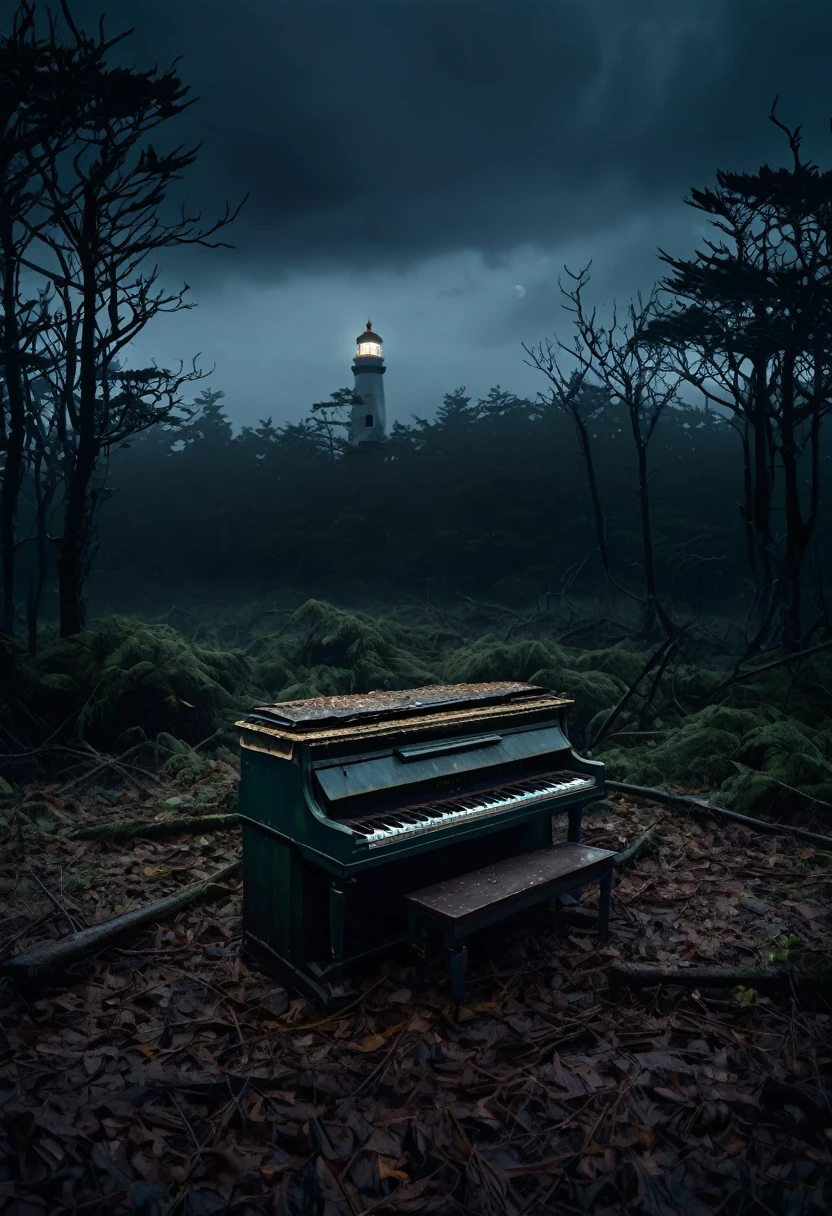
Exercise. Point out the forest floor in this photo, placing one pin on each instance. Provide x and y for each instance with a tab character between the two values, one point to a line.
168	1077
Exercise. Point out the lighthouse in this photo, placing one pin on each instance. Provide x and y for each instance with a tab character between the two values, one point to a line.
369	422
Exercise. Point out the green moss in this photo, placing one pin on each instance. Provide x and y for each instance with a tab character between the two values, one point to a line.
124	683
120	676
699	755
594	694
693	683
760	794
272	670
187	767
753	763
625	665
728	718
341	652
83	878
769	746
487	659
170	744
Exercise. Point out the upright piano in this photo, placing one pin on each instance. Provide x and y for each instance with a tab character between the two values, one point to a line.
348	803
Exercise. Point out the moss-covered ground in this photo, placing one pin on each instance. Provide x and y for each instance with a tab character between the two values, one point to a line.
763	745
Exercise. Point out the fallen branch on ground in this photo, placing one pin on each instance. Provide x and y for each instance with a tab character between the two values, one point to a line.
645	844
697	806
755	671
643	975
177	825
659	656
45	961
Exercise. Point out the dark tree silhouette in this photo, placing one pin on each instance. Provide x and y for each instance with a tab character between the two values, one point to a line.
332	419
99	214
751	326
45	96
633	375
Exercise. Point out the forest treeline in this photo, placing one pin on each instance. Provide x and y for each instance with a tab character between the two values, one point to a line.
607	482
489	498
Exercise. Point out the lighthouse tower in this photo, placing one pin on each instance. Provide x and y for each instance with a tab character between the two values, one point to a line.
369	420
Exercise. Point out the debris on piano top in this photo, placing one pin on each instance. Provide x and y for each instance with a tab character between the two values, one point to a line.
373	705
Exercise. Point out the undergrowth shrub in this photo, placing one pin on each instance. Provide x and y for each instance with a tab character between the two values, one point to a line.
125	683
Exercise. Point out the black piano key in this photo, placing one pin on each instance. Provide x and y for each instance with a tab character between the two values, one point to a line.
398	823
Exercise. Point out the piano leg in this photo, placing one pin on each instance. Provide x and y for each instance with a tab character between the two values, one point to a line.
336	928
458	957
418	937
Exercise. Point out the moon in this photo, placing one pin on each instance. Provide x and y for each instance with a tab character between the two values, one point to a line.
519	290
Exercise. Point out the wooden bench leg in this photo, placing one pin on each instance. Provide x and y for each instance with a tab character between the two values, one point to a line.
458	957
573	835
604	906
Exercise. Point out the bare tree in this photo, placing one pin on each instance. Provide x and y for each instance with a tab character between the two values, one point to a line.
103	215
44	468
616	366
332	419
44	96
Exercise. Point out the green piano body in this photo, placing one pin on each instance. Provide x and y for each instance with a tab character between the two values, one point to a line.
348	803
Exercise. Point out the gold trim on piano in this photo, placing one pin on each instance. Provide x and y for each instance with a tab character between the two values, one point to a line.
282	748
396	726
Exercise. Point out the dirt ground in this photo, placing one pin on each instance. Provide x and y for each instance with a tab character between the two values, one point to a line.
165	1076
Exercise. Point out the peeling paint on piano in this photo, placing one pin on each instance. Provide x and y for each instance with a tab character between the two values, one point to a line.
349	803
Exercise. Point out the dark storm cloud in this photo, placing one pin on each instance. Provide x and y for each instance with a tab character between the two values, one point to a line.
436	162
401	129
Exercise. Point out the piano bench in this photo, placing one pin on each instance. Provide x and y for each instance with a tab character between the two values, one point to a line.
471	902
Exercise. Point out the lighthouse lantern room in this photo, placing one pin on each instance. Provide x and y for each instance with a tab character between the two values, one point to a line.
368	422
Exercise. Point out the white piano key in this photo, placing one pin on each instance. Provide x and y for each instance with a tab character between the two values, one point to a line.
390	827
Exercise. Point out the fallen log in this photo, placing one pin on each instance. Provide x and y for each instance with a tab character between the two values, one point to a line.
176	825
50	959
698	806
763	979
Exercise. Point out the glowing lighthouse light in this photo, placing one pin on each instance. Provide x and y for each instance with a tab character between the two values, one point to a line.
369	344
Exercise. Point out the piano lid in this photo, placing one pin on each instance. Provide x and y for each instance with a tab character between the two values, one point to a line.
380	706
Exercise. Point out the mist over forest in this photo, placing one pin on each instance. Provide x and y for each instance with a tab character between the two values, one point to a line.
488	499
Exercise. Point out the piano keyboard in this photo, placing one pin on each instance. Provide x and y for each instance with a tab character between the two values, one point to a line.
384	828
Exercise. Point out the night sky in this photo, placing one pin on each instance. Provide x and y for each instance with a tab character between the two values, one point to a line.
432	164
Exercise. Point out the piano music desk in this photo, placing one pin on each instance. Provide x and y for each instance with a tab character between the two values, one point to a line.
471	902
